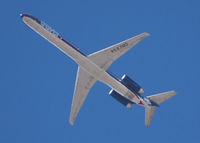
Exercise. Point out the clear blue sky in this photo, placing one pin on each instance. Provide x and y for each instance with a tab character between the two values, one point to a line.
37	80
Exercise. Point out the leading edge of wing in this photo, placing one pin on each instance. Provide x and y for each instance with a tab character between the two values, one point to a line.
84	82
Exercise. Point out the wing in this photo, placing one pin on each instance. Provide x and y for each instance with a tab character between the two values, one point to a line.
104	58
84	83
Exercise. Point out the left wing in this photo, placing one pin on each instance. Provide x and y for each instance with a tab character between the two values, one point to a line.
84	83
104	58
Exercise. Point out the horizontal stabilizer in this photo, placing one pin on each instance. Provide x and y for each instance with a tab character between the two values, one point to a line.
155	101
161	97
149	112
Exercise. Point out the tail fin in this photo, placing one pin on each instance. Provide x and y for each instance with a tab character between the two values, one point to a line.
156	100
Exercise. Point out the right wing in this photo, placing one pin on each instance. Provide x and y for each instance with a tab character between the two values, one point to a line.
84	83
104	58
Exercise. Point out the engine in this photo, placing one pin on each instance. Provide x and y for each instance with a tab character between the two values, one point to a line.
120	98
131	85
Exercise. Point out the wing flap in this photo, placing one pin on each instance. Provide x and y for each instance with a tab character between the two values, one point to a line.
104	58
84	82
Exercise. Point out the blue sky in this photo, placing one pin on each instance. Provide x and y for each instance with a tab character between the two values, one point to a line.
37	80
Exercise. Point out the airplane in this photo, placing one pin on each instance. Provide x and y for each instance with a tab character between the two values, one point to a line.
94	67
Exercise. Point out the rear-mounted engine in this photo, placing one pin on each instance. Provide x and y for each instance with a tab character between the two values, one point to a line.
131	85
120	98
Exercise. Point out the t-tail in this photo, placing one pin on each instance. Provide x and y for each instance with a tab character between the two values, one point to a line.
154	101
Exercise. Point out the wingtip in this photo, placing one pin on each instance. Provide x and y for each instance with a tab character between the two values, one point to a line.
146	34
147	125
173	92
71	122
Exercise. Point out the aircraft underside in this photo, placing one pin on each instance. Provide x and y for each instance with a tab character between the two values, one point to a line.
94	67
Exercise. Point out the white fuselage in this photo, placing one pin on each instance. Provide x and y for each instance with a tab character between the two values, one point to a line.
80	58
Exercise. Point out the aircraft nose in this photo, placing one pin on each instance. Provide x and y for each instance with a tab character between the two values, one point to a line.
21	15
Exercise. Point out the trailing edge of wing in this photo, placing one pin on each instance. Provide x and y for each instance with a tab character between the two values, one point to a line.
84	83
104	58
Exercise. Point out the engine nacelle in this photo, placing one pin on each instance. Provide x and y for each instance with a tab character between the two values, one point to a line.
132	85
120	98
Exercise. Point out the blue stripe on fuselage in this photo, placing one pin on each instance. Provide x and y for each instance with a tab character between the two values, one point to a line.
30	16
68	43
57	35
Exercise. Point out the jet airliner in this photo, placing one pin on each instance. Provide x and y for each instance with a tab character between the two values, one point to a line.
93	67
